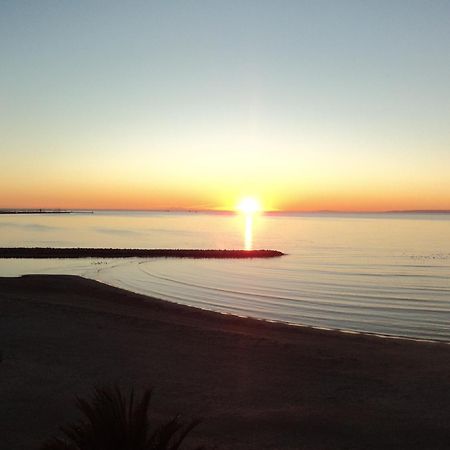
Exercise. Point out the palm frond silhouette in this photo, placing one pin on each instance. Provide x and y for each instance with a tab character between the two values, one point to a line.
113	420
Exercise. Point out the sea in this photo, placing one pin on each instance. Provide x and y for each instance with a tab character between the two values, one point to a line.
383	274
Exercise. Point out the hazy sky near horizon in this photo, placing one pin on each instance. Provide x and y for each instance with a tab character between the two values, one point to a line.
193	104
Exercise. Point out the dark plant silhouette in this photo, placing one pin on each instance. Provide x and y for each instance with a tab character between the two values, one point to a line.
113	420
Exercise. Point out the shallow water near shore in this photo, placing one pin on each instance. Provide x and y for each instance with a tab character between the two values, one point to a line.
377	273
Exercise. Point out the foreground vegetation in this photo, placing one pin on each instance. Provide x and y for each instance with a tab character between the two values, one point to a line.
114	420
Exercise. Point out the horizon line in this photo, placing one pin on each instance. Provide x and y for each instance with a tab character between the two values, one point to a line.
230	211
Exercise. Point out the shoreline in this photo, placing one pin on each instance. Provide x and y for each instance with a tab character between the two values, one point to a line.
257	384
272	321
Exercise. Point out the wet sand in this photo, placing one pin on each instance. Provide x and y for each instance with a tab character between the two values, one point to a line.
257	385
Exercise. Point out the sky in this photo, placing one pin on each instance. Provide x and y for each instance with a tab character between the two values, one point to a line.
306	105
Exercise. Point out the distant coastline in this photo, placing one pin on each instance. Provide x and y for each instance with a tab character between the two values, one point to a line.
421	211
400	211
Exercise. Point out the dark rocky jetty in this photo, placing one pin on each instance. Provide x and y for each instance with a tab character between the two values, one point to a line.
41	252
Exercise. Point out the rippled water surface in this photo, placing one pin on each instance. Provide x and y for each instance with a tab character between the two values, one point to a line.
384	273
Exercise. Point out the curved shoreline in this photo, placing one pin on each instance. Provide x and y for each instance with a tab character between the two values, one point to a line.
64	283
52	252
344	331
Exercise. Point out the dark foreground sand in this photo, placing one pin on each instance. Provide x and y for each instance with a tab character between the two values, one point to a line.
257	385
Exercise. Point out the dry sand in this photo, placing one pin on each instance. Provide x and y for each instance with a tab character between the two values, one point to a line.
257	385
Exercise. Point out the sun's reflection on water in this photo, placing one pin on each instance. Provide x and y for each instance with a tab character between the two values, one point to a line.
248	237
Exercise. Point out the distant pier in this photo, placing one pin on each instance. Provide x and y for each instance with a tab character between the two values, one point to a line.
44	211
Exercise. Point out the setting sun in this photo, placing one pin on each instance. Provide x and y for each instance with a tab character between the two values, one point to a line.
249	205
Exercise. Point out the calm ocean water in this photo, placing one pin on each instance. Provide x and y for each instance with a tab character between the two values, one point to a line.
386	274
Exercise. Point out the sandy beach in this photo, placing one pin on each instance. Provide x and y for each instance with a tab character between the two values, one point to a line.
256	385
